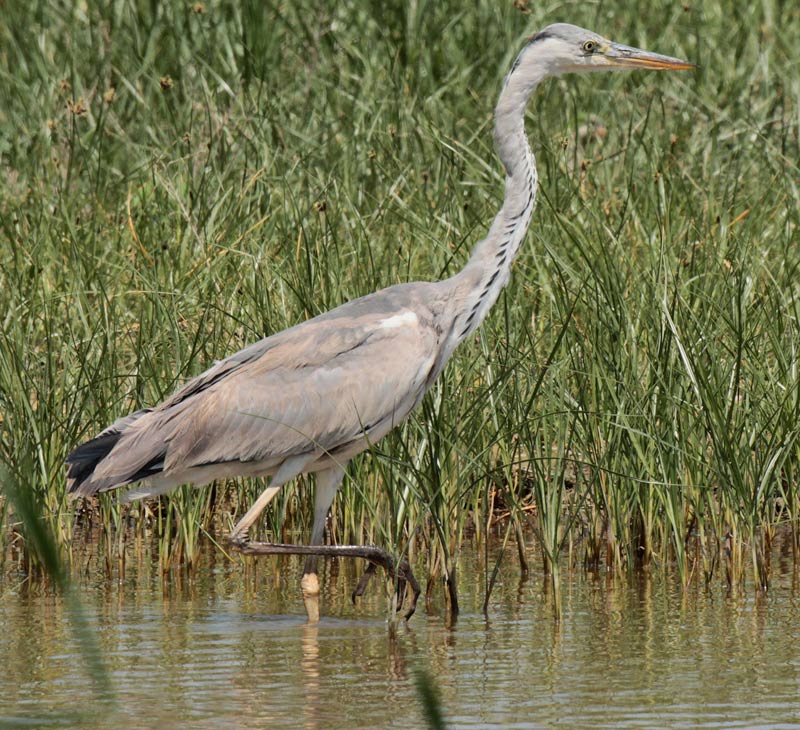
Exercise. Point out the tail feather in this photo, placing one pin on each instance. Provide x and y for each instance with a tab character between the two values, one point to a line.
84	459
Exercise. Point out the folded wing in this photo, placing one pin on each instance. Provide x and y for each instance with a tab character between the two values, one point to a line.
317	388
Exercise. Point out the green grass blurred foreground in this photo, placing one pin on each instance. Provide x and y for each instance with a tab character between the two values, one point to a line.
180	179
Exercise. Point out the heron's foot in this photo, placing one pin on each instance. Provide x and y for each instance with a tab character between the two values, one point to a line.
238	541
374	555
363	582
400	591
404	578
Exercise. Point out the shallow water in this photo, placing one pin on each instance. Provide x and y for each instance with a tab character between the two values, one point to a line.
232	647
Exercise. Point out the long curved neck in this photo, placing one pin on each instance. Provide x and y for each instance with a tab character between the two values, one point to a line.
478	285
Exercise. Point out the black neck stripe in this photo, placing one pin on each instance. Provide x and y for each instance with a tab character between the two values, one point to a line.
541	36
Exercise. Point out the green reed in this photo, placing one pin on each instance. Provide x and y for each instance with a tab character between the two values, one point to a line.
43	552
181	179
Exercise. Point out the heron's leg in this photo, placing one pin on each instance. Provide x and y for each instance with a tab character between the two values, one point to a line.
239	533
290	468
328	482
379	556
363	582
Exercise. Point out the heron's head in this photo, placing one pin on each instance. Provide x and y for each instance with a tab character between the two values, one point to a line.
562	48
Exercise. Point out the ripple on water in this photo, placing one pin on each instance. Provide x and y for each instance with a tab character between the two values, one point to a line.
222	650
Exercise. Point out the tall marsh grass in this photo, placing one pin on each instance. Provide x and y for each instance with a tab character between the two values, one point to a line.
180	179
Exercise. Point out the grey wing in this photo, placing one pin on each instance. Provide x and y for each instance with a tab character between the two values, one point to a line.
315	388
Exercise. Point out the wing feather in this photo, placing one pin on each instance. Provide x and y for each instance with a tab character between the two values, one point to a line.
318	394
316	387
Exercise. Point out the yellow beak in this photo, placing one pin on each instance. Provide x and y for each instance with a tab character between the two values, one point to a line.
621	56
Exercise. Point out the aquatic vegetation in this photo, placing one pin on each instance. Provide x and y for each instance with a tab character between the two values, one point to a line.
197	178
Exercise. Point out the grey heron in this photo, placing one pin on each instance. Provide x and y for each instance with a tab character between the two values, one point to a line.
310	398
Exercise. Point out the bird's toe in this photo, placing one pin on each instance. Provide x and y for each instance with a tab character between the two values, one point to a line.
238	541
363	582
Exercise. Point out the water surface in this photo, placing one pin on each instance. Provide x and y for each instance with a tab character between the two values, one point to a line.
232	647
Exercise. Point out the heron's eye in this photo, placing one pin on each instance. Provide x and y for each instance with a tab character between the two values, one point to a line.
590	46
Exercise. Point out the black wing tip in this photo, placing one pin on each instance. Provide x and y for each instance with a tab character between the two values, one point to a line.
94	449
83	459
